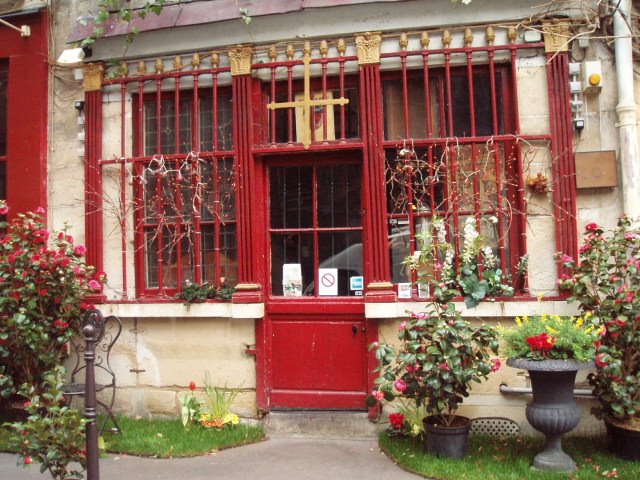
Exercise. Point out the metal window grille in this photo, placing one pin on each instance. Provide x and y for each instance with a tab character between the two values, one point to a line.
176	171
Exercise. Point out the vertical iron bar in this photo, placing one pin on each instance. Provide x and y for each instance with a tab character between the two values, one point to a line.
93	458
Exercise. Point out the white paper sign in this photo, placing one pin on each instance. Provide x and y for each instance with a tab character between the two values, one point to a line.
292	280
423	290
404	290
356	283
327	281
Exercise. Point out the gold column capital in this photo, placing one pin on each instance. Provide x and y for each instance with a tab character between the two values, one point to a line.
92	74
557	32
240	58
368	45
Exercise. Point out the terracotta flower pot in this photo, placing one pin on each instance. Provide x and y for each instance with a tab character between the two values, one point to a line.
447	441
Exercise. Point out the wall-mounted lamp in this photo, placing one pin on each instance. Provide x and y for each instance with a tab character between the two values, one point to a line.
71	57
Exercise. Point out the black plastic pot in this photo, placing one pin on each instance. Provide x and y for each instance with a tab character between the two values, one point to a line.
444	441
623	442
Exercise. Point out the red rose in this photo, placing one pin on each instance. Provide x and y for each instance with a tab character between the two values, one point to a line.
79	250
192	385
396	420
28	460
591	227
400	385
599	361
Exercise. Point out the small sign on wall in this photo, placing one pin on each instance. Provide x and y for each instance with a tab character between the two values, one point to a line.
596	169
327	281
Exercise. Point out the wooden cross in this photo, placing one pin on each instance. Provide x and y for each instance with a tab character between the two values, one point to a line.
307	102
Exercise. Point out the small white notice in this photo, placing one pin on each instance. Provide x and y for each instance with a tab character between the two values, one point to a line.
327	281
356	283
404	290
292	280
423	290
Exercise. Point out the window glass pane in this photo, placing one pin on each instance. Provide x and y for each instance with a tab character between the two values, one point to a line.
287	248
167	127
339	196
341	250
399	249
228	253
482	105
224	126
291	197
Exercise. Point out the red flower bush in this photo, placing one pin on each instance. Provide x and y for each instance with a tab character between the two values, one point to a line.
42	285
396	421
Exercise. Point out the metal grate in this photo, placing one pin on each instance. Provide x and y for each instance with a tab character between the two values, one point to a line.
494	427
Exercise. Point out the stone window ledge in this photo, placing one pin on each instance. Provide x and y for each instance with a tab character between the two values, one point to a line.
179	310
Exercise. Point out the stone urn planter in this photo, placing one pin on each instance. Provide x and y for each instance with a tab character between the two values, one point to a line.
553	411
447	441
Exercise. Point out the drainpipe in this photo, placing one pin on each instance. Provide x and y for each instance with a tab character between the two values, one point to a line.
506	390
626	110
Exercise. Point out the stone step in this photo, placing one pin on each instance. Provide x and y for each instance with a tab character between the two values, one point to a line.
313	423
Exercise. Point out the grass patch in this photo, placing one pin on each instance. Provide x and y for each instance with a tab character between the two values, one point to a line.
159	438
509	458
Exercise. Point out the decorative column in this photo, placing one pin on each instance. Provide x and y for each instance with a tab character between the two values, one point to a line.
376	260
247	290
556	36
93	74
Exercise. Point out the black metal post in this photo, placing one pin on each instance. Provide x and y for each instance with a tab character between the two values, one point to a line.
93	467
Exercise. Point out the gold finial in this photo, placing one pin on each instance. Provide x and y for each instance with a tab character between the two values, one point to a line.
92	74
306	49
142	68
446	38
177	62
273	53
195	61
489	36
404	41
123	69
215	59
468	37
368	46
424	40
240	58
324	48
557	33
342	47
159	65
512	34
290	51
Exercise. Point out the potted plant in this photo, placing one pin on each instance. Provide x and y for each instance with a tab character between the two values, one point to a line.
606	283
438	358
552	349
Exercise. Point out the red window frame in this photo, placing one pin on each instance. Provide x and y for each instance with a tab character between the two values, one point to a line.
181	176
439	155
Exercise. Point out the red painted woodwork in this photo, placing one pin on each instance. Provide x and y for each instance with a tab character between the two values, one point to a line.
243	95
376	260
27	108
319	361
564	190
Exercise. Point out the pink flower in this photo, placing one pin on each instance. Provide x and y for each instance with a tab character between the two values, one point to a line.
629	236
399	385
444	366
79	250
4	208
630	296
402	326
437	266
378	395
591	227
566	258
40	211
585	248
28	460
495	364
94	285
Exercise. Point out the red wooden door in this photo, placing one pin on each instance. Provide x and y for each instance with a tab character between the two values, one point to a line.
316	332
